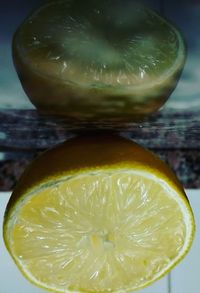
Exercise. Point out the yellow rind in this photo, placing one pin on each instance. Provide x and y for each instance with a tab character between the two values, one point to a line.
93	153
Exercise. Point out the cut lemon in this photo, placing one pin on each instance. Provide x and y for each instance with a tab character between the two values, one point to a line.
93	60
97	214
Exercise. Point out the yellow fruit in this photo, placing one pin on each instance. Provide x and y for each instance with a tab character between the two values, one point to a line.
93	60
97	214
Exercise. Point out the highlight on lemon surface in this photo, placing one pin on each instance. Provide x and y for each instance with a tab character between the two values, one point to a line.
97	214
98	60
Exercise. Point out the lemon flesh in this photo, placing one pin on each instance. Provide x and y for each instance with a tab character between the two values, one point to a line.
100	231
99	44
94	60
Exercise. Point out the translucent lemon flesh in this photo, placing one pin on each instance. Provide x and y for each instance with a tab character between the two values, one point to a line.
100	231
98	61
100	43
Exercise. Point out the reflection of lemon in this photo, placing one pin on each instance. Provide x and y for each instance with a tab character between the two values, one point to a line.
94	60
97	214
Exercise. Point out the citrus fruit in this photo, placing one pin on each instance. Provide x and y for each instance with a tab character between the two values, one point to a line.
97	214
98	60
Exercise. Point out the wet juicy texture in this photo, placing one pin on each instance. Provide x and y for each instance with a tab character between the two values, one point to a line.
98	43
98	232
98	61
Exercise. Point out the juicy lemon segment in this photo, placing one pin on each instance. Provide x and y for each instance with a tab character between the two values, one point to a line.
102	230
98	61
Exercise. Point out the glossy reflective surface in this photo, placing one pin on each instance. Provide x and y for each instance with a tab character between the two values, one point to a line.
177	125
98	60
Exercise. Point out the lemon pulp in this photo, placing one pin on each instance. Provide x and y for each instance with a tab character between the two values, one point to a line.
107	230
98	60
100	44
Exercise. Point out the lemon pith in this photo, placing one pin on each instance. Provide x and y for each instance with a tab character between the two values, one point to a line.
106	229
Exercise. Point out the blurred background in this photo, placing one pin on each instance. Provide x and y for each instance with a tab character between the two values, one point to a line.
173	133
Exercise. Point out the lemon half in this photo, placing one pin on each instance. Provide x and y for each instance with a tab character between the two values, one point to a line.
97	214
98	60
